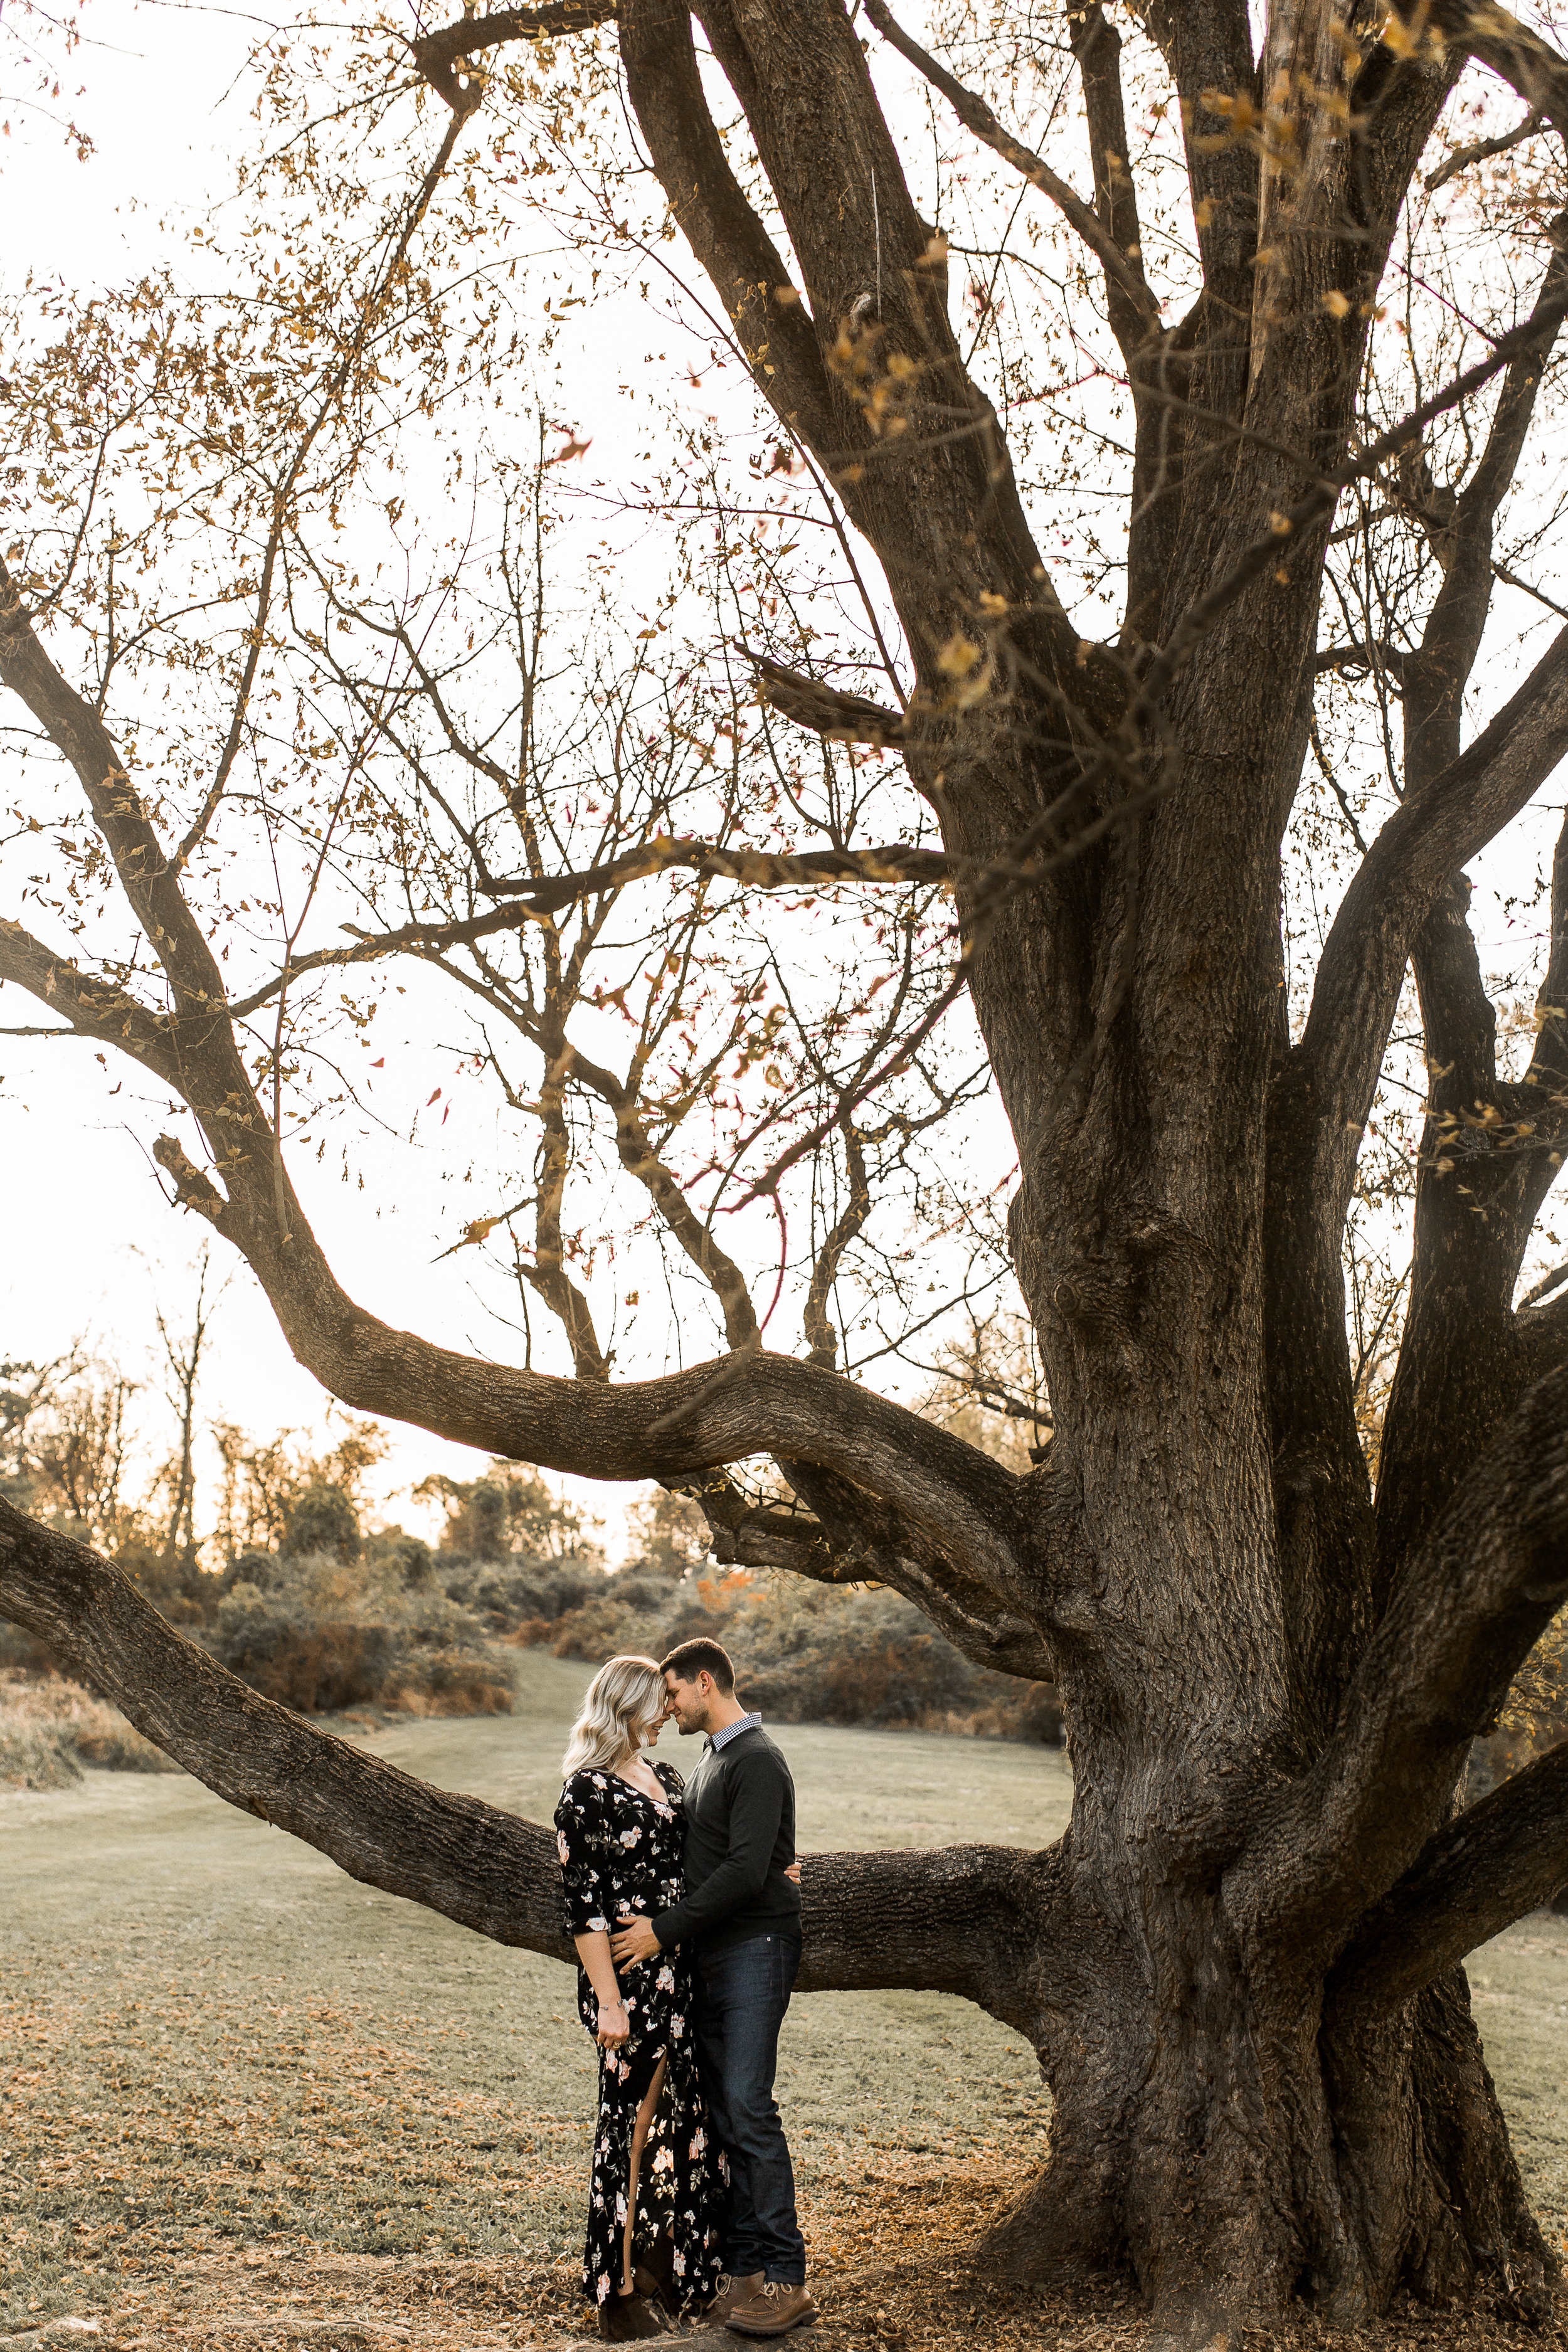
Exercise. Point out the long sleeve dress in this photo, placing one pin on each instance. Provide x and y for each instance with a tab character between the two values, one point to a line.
621	1853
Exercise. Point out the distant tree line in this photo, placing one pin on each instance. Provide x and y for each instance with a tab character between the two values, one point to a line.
293	1590
309	1606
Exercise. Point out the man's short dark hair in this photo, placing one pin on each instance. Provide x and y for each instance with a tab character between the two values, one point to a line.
690	1659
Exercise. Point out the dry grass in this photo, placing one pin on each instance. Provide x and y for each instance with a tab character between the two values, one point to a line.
892	2272
51	1730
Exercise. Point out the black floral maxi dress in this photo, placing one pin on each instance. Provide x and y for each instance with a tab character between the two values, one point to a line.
621	1853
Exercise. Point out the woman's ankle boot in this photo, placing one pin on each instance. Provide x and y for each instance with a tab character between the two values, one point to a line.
626	2316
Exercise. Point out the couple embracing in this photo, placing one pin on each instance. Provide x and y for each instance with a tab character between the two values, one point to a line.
683	1900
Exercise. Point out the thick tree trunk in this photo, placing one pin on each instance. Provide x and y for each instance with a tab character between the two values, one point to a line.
1221	2141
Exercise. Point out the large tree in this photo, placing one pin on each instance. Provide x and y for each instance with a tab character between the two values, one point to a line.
1242	1966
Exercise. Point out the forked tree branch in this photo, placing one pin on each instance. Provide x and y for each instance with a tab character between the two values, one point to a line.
963	1919
1484	1870
847	1539
537	900
437	54
1137	310
1469	1607
1494	35
1427	838
729	239
669	1429
547	1275
870	379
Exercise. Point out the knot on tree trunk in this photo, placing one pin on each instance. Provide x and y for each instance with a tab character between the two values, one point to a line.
1097	1294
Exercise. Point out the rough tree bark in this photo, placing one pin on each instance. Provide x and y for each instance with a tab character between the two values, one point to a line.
1241	1966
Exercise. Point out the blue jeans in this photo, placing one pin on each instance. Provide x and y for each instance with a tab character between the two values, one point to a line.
742	1995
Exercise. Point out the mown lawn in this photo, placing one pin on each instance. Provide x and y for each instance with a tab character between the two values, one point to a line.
215	2048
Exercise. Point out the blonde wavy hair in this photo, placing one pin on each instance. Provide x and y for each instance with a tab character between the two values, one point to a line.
624	1696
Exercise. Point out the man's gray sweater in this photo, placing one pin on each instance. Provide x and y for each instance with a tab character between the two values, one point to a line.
740	1840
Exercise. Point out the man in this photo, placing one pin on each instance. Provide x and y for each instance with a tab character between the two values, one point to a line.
741	1918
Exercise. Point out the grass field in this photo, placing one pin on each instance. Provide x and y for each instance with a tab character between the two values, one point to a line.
214	2047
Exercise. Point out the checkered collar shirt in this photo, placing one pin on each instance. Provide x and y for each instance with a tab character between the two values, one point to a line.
733	1731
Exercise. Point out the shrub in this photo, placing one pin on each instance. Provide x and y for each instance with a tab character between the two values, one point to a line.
320	1519
504	1592
805	1652
319	1636
22	1653
35	1756
1534	1715
50	1729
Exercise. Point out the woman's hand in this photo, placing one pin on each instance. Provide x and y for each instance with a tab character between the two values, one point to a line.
794	1870
615	2026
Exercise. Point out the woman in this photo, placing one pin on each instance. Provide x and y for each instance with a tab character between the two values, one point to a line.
654	2197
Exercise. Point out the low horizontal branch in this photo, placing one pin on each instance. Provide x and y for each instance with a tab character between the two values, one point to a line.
1471	1602
1505	1857
957	1919
484	1868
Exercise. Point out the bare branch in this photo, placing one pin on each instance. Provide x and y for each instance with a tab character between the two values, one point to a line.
1545	1286
1097	45
639	1157
1470	1605
1492	34
1479	151
1426	840
851	1537
437	53
1482	1871
1381	656
822	1340
1125	271
547	1275
724	232
534	900
94	1008
842	718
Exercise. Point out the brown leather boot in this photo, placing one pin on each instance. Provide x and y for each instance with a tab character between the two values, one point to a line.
626	2316
774	2310
732	2291
654	2278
